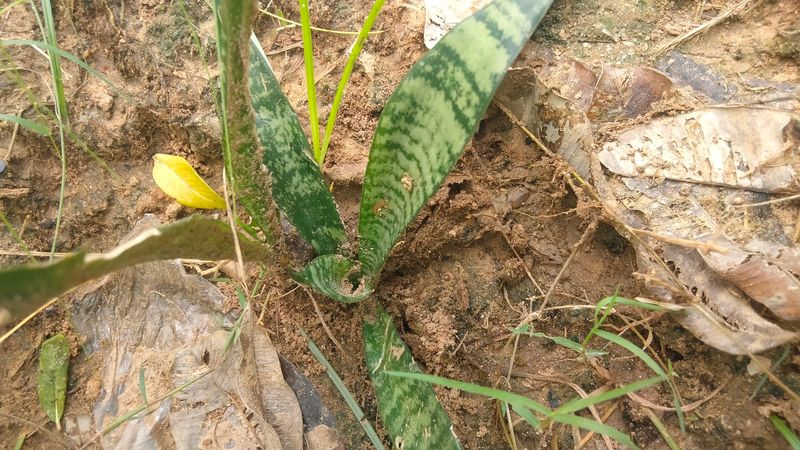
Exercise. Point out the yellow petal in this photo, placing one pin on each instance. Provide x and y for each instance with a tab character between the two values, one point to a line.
178	179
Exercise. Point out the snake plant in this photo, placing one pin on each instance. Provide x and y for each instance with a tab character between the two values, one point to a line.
421	133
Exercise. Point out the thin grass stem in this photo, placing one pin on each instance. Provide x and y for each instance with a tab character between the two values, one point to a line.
308	58
343	391
62	112
348	69
313	28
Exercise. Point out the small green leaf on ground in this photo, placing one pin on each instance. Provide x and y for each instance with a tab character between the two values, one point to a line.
52	380
409	408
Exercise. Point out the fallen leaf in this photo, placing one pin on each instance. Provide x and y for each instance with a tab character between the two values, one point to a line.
626	92
179	180
765	280
753	148
52	379
691	178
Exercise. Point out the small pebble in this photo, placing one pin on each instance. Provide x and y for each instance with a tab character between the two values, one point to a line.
517	196
2	166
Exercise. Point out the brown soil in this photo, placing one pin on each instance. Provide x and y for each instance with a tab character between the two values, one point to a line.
484	251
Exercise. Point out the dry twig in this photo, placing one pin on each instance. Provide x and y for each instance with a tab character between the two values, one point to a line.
728	12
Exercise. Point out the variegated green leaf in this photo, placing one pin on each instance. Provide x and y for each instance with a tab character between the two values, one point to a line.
297	184
25	288
409	408
336	277
234	20
431	116
52	379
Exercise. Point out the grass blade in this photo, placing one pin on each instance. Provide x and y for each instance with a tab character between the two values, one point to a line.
408	406
785	431
522	406
504	396
348	69
297	184
308	59
36	127
527	415
570	344
662	429
581	403
62	112
597	427
8	7
631	347
21	436
432	115
63	54
344	392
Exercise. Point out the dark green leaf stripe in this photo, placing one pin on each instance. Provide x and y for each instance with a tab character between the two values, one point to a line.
337	277
252	186
25	288
409	408
297	184
432	115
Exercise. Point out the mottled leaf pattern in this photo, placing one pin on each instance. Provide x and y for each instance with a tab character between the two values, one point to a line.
431	116
409	408
297	184
337	277
251	184
52	379
25	288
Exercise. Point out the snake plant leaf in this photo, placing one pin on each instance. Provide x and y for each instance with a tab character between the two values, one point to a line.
297	184
240	150
176	178
409	409
431	116
52	378
25	288
337	277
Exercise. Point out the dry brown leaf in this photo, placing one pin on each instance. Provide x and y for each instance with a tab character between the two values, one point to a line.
763	279
556	120
753	148
760	263
626	92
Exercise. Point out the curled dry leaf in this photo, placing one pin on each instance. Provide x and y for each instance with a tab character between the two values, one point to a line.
156	318
562	126
626	92
707	157
750	148
569	77
670	177
769	281
721	314
176	177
